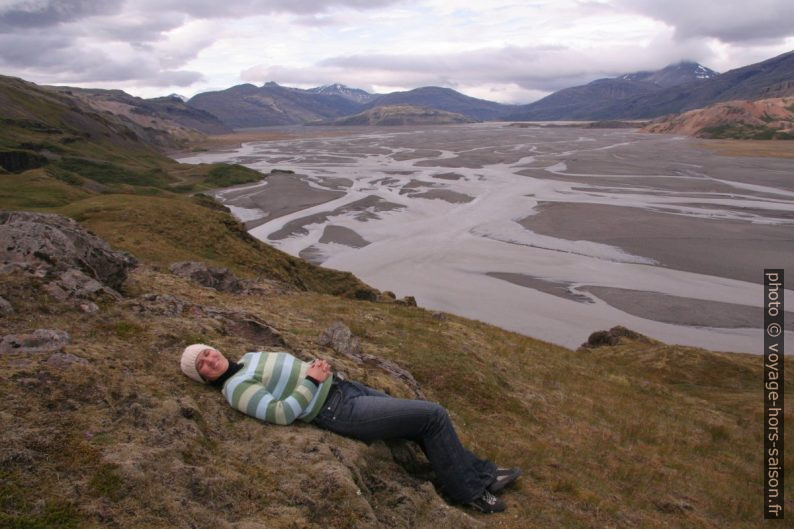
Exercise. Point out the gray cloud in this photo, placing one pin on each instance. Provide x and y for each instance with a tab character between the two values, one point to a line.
57	59
113	40
133	30
26	49
215	8
546	68
512	73
731	21
142	43
43	13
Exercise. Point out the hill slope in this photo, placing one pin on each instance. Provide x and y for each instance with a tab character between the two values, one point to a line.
763	119
58	152
165	113
645	95
637	433
392	115
271	104
444	99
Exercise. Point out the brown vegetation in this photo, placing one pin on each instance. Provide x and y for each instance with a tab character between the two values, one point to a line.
764	120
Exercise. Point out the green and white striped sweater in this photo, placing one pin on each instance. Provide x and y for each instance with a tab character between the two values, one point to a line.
272	386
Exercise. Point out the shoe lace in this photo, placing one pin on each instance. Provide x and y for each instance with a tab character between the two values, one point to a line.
489	498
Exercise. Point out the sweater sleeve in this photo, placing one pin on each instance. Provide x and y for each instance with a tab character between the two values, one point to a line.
251	398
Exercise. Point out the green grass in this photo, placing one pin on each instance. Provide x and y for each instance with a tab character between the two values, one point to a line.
163	229
20	508
111	173
743	131
37	190
106	482
222	175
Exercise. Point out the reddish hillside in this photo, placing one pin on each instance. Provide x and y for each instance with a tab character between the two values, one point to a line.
763	119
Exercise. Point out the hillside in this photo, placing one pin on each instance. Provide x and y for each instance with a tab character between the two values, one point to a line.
57	152
101	429
170	113
637	434
245	106
271	104
444	99
592	101
63	148
395	115
647	95
754	120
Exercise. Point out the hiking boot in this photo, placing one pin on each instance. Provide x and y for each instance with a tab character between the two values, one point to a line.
488	503
504	477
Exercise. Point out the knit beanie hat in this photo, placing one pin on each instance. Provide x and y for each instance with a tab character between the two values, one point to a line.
188	363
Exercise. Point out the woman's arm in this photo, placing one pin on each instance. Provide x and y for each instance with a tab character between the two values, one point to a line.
251	398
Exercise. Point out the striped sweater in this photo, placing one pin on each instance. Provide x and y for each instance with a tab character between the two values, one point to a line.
272	386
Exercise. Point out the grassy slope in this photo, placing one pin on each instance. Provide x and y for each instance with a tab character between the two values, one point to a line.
105	175
636	435
631	436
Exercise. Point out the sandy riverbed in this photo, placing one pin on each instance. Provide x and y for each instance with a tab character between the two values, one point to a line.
551	232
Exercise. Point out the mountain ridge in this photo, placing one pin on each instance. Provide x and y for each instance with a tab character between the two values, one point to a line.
397	115
247	106
770	78
354	94
638	95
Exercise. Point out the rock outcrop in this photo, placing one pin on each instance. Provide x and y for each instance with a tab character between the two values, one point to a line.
218	278
258	332
340	338
614	336
38	342
76	263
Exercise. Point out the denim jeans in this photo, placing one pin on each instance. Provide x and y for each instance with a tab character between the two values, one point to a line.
355	410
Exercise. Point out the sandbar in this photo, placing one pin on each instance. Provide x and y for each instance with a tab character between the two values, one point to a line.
727	248
280	194
363	209
684	311
343	235
556	288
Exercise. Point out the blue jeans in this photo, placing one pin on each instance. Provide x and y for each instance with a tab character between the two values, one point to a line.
355	410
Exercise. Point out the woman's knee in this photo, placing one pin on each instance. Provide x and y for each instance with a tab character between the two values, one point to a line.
438	413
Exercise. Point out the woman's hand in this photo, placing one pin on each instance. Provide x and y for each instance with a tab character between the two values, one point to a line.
319	370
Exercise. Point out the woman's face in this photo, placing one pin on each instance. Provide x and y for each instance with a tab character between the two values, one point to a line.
211	364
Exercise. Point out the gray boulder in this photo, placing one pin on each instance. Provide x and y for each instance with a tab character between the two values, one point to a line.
38	342
49	245
217	278
615	336
5	306
64	360
340	338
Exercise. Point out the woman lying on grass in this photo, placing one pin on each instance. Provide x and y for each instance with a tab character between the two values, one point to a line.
279	388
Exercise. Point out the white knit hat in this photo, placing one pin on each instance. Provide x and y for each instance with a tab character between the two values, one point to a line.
189	356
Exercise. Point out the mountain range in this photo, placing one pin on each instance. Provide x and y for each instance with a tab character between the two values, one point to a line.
674	89
169	121
246	105
638	95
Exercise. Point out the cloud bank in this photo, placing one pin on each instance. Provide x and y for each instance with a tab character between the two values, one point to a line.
513	52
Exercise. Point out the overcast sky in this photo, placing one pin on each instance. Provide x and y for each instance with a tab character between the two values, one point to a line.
502	50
